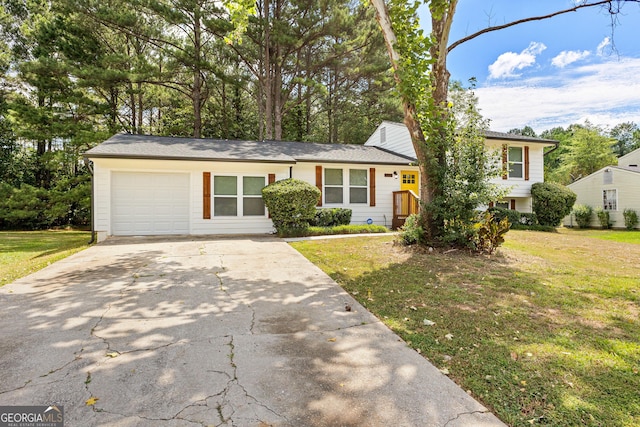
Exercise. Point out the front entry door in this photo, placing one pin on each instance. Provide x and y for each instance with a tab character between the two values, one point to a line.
409	181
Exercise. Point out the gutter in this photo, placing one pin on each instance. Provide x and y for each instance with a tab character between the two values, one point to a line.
555	147
89	165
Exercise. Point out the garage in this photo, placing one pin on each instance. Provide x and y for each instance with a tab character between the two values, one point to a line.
149	203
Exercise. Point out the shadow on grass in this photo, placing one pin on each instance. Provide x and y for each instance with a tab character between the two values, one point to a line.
532	351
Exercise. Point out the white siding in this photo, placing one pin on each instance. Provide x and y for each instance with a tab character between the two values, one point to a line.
519	187
382	212
396	139
104	168
589	192
632	158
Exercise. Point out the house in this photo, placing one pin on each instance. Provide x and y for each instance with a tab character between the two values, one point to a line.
150	185
613	188
522	158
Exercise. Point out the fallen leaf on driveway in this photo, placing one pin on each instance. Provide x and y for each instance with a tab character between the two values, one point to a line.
91	401
331	340
113	354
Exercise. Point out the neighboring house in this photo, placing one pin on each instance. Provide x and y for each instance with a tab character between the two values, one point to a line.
522	158
613	188
149	185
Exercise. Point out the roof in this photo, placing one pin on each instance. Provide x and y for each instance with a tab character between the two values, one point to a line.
606	169
176	148
490	134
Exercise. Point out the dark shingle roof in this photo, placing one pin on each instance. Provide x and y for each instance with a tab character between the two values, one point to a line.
490	134
173	148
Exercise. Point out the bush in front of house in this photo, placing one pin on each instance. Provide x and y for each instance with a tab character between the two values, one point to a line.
411	232
346	229
331	217
292	205
582	214
603	218
551	202
630	218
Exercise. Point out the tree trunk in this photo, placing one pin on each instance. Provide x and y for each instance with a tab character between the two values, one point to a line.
196	94
268	83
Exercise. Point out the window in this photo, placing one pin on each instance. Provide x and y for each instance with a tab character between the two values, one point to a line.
225	196
252	203
357	186
516	162
610	200
228	199
409	178
502	205
333	186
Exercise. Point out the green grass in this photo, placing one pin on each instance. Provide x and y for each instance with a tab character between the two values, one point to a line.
623	236
546	332
24	252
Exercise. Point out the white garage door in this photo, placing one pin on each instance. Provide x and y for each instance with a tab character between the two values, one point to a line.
149	203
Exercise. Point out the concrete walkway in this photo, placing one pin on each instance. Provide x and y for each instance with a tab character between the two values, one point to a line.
237	331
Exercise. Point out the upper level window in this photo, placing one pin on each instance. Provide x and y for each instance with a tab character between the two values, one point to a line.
610	200
357	186
333	185
516	162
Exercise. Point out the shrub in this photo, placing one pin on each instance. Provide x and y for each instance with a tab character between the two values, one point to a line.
411	232
498	214
292	205
551	202
603	218
630	218
490	233
582	214
527	219
346	229
331	217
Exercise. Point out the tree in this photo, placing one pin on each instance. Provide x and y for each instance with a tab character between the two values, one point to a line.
588	151
420	69
627	137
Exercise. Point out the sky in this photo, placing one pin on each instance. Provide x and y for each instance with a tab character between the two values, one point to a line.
550	73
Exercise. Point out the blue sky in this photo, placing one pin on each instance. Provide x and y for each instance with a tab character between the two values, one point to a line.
549	73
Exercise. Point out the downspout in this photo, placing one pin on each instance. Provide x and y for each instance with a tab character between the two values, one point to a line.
555	147
89	165
290	171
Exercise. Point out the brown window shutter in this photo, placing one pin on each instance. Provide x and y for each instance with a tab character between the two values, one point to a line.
206	195
491	204
505	162
272	178
372	186
513	204
319	183
526	163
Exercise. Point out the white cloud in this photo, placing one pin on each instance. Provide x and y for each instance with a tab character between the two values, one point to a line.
508	62
567	57
603	44
601	93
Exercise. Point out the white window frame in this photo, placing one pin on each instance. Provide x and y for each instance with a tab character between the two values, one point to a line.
365	187
607	203
341	187
511	162
239	196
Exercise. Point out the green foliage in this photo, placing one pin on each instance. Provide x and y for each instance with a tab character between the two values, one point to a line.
582	214
292	205
627	138
346	229
331	217
412	231
630	218
551	202
519	220
603	218
490	233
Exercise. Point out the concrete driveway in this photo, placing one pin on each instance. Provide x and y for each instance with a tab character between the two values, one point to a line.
237	331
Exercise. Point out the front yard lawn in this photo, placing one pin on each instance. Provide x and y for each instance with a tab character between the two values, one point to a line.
546	332
23	252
